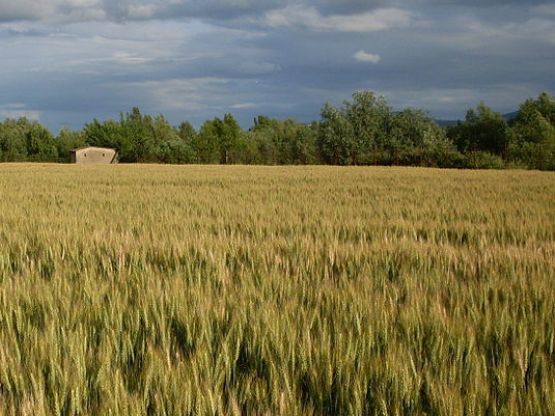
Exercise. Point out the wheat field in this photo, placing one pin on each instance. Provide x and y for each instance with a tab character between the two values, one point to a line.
209	290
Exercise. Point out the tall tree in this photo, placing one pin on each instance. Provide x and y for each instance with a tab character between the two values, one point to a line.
533	140
336	137
41	145
229	133
13	143
369	116
415	139
68	140
483	130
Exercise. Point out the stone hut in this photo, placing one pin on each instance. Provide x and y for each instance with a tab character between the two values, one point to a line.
94	155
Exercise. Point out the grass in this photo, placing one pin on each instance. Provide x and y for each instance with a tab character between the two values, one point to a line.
134	290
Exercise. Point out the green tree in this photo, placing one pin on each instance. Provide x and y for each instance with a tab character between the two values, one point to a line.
415	139
483	130
533	133
137	137
170	146
218	140
13	143
41	145
229	135
206	144
68	140
109	134
187	132
303	145
336	137
284	141
369	116
357	133
139	131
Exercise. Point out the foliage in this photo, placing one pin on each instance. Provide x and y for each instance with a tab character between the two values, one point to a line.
483	131
366	131
483	160
363	131
284	142
143	138
415	139
13	145
369	116
264	290
534	133
336	137
171	145
206	144
68	140
23	139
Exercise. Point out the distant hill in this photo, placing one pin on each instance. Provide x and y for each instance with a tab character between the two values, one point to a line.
447	123
510	116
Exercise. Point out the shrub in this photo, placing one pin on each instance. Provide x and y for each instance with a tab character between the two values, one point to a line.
484	160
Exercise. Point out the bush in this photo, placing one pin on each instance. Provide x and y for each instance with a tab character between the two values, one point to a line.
533	155
483	160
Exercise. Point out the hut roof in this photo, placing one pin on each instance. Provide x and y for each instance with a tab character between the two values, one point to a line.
92	147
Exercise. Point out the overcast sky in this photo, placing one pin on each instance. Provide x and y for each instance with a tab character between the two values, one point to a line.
65	62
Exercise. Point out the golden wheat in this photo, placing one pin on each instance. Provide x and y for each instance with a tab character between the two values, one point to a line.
134	290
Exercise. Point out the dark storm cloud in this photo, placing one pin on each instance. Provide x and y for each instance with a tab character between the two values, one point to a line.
82	10
219	9
21	10
348	6
68	61
477	3
98	10
118	10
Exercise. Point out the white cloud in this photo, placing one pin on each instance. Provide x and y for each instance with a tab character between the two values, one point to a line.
81	3
363	56
242	106
311	18
141	11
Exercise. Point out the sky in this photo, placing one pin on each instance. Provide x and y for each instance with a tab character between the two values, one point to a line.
65	62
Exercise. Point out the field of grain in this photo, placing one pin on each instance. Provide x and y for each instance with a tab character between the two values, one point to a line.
159	290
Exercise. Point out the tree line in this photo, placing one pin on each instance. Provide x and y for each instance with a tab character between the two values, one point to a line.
363	131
